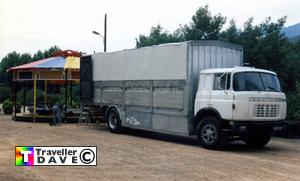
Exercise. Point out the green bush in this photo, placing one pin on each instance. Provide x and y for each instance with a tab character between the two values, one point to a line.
293	109
4	93
8	107
29	96
74	103
52	98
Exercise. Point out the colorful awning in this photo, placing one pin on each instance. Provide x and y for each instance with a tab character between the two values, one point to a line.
61	63
72	63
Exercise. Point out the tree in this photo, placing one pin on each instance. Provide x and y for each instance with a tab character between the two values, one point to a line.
249	38
25	58
38	56
204	26
49	53
10	60
231	34
293	111
158	36
266	47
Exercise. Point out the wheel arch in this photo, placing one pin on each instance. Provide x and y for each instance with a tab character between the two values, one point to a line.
117	128
121	112
109	107
205	112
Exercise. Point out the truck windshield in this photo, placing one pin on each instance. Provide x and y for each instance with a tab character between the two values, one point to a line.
255	81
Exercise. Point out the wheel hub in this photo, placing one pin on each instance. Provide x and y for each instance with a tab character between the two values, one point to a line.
209	133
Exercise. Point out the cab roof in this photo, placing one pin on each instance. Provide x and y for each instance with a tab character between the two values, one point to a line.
235	69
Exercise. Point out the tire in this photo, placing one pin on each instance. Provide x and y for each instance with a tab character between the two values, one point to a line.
210	134
113	121
257	140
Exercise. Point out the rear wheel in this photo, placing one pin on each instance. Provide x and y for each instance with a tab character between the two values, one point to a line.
210	134
257	139
113	121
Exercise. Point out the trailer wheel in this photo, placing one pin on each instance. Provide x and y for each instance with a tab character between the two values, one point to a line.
113	121
210	134
258	140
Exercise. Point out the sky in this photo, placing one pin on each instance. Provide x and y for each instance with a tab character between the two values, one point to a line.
27	26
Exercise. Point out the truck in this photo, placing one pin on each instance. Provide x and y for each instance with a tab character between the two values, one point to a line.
193	88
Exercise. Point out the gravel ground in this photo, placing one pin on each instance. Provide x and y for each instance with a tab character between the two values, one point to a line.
138	155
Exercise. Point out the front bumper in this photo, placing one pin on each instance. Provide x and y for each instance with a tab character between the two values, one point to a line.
244	126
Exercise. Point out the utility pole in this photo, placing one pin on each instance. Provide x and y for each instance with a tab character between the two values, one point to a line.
105	28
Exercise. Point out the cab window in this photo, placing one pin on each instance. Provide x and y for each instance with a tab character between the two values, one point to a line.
221	81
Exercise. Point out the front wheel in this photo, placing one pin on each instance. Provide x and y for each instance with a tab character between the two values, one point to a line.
210	134
113	121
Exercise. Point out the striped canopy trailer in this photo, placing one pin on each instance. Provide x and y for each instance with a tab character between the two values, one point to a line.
50	70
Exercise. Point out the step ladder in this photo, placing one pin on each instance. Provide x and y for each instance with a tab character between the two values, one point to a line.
91	116
84	118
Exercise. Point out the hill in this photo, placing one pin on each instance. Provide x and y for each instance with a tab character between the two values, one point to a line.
292	32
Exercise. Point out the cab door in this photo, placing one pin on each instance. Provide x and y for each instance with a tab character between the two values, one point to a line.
221	97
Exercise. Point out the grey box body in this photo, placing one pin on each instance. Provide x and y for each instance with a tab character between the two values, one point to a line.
154	87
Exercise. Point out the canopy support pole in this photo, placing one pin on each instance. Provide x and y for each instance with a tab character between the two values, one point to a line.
66	94
45	91
34	97
15	95
24	97
71	91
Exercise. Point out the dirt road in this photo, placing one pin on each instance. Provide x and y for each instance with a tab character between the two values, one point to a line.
139	155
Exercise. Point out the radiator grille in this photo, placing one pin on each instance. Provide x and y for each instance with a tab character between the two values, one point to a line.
266	110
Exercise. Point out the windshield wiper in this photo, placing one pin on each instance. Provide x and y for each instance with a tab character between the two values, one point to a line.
271	88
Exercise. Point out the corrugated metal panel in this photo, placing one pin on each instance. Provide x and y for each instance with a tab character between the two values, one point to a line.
206	57
201	57
137	93
164	62
219	57
215	57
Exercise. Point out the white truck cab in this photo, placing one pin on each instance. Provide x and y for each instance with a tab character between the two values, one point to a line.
240	102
